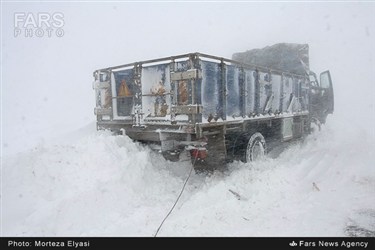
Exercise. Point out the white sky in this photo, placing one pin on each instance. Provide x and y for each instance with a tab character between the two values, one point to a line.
46	82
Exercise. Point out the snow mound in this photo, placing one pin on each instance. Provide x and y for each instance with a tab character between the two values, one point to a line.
105	185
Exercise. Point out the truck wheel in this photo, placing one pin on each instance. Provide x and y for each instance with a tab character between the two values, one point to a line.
256	147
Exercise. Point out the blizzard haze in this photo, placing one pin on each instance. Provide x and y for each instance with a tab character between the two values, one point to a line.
58	173
46	82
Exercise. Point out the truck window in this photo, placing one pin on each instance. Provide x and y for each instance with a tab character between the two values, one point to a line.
325	81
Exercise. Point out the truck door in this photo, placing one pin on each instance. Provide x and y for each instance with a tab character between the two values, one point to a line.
327	92
321	97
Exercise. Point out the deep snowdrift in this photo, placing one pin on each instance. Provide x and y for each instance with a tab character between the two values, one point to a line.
96	184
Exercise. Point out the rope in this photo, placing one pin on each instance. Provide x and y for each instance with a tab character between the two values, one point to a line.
182	190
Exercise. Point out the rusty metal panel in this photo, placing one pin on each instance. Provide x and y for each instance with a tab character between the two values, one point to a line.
188	109
186	75
101	85
103	111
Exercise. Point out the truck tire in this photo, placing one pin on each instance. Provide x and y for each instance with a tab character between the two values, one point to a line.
256	148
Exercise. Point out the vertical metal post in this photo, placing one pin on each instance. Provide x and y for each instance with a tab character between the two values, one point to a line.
281	93
173	84
192	81
197	87
109	79
241	83
137	99
192	89
257	91
223	90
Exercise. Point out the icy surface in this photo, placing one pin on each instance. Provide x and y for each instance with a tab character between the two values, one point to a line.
97	184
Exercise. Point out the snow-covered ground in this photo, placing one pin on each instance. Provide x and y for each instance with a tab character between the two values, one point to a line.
58	180
95	184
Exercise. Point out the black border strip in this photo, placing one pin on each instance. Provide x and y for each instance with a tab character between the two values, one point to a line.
188	242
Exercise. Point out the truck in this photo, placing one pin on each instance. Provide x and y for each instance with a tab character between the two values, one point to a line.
212	110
